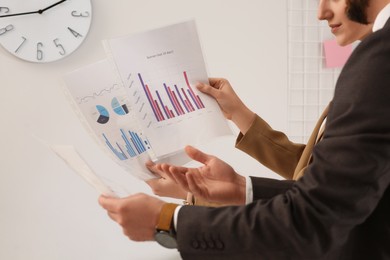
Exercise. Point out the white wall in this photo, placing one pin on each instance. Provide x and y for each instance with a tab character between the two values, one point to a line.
46	211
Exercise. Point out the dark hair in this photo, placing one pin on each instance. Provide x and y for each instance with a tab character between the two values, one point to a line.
356	10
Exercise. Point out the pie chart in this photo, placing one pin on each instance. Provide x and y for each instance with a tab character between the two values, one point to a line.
103	116
119	107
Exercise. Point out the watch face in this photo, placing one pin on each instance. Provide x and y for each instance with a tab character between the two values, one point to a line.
165	239
43	30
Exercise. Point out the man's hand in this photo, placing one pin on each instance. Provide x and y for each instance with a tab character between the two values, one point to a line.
137	214
215	181
165	185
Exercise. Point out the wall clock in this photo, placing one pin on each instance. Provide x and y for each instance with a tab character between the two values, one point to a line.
44	30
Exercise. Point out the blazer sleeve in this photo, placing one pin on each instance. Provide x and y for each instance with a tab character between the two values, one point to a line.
271	148
265	188
342	187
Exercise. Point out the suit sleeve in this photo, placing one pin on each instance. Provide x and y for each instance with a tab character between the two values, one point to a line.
265	188
271	148
341	188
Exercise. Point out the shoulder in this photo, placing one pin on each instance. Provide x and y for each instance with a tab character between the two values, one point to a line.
366	76
362	91
373	50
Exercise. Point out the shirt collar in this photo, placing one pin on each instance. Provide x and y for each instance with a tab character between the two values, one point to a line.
381	19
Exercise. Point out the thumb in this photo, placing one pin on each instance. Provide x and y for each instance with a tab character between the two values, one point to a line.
197	155
152	167
108	203
207	89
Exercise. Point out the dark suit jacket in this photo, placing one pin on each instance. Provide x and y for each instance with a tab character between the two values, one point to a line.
340	208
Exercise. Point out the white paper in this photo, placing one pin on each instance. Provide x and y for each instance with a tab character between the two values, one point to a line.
159	69
73	159
104	108
147	73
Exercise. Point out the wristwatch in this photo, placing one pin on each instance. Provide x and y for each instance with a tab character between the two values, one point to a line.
165	233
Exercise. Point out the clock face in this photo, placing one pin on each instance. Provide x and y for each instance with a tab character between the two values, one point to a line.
43	30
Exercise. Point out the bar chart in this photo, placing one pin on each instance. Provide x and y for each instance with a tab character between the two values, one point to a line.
159	70
182	100
129	146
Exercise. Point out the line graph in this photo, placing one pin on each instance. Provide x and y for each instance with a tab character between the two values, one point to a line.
94	95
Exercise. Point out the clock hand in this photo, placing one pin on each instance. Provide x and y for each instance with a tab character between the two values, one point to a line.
40	11
17	14
51	6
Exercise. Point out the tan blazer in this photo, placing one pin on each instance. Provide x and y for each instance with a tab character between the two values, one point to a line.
274	150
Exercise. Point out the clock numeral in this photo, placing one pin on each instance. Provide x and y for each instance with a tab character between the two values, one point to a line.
75	34
4	9
23	41
39	51
58	45
6	29
80	14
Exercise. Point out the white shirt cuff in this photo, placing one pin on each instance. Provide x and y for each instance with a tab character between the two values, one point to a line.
249	190
175	216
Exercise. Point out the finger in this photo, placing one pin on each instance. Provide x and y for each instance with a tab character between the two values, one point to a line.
179	175
113	216
109	203
177	171
197	155
160	170
152	167
207	89
149	163
216	82
166	171
164	167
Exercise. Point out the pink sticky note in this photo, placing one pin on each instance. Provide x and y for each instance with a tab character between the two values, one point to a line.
335	55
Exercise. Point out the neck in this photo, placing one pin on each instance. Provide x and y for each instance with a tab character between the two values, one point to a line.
374	8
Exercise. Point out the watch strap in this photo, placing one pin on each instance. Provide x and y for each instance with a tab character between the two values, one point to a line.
165	219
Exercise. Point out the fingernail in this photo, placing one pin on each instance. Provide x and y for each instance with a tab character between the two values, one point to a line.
148	163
